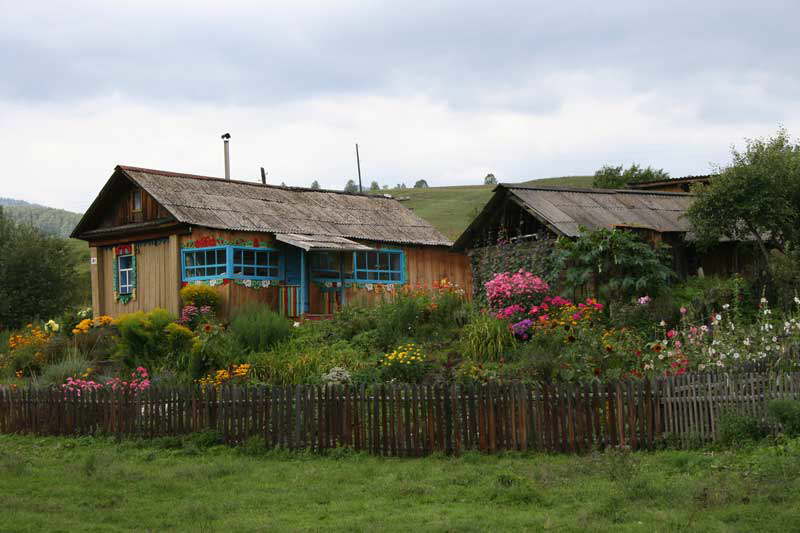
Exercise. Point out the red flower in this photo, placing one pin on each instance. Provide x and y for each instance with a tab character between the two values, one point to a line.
256	243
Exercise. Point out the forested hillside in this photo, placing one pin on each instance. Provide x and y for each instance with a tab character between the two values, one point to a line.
52	221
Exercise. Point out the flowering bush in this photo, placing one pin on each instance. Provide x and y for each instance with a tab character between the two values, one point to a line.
519	288
406	363
84	325
139	382
31	336
235	375
193	316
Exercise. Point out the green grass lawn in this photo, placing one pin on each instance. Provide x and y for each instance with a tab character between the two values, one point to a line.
451	209
86	484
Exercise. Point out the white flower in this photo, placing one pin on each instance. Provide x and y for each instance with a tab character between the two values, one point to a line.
767	312
718	317
662	323
703	328
797	300
774	339
661	356
763	300
726	306
248	283
701	366
736	355
296	325
747	341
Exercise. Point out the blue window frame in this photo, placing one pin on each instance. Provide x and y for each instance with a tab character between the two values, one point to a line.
380	266
205	263
231	262
255	263
125	273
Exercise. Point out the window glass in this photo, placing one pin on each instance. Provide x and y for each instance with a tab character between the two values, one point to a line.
252	263
125	274
379	266
137	200
204	263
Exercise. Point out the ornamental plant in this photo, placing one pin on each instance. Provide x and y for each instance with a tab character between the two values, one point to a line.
193	316
201	296
520	288
233	375
138	382
405	364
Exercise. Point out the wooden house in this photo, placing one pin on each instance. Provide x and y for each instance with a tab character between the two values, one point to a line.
302	252
532	212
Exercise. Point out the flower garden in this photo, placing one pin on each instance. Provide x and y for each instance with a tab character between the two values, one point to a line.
520	328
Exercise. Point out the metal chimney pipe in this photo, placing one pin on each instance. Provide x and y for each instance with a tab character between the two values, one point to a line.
263	176
225	138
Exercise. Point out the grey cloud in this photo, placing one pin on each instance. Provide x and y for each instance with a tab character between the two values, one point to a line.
463	54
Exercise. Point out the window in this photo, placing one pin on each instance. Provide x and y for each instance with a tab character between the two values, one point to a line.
231	262
125	273
255	263
204	263
137	200
325	265
385	266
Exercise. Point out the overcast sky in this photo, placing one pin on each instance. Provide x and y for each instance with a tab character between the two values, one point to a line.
446	91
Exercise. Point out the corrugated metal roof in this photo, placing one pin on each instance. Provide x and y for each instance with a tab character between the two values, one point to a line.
320	243
247	206
566	209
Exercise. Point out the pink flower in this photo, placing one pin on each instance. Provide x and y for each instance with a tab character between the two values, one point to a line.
671	333
683	310
576	316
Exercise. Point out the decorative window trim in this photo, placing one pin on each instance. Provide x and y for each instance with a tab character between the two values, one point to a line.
125	250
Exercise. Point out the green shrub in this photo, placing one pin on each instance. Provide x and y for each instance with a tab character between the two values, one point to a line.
201	295
143	337
57	373
397	320
293	361
179	338
256	328
213	350
486	338
735	429
787	414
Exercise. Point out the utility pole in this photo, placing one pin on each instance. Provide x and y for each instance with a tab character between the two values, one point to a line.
358	162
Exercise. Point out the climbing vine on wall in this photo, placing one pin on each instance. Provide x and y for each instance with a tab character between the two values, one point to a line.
534	256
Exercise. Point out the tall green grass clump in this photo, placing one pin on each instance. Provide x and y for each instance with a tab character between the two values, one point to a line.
57	373
787	414
256	328
486	338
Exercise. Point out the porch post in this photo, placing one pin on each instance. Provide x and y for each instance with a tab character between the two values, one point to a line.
301	300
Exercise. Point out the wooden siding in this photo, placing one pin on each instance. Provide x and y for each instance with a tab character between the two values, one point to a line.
159	276
157	271
122	211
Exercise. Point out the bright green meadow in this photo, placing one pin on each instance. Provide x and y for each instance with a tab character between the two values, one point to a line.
91	484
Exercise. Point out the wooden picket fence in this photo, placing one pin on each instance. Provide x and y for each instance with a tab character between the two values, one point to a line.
410	420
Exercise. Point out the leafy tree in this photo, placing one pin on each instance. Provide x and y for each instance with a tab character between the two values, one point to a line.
374	186
421	184
315	185
756	198
609	177
38	274
617	263
351	186
490	180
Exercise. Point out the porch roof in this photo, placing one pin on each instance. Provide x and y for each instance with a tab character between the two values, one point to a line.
321	243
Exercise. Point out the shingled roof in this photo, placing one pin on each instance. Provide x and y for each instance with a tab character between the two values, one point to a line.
564	210
247	206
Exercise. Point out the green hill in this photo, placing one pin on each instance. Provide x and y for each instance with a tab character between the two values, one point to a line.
451	209
48	219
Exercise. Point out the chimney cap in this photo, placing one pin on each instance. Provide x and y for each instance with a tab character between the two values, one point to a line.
226	136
